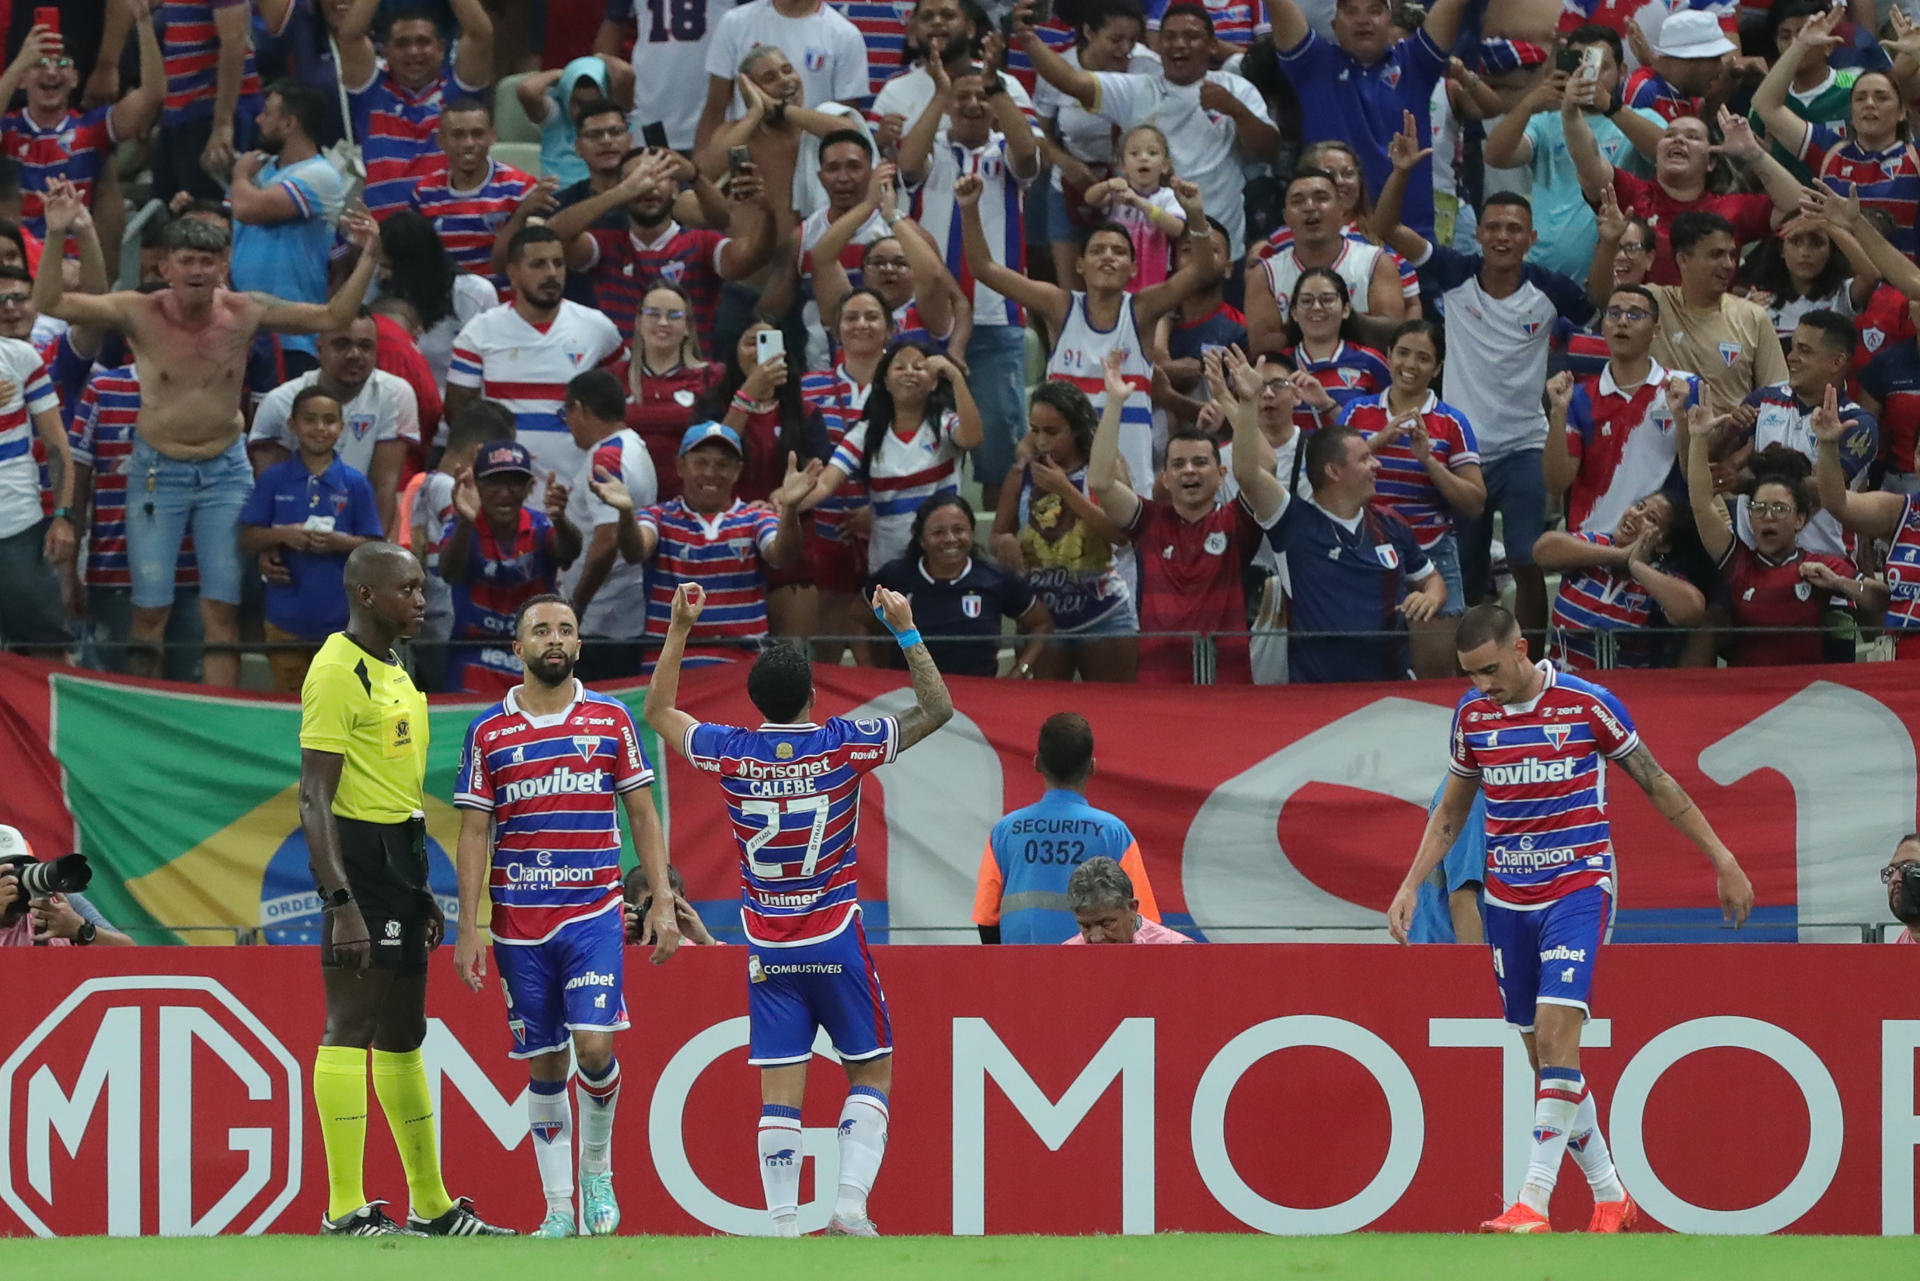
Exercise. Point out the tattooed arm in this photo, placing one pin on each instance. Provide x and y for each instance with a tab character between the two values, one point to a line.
1444	825
933	704
1736	893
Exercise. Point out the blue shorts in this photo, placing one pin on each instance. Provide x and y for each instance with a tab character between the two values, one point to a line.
794	991
167	498
1547	956
570	983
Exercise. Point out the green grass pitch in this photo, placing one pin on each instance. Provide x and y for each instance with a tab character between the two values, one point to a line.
1172	1257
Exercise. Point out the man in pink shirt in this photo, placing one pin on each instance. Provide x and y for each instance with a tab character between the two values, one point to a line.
1100	895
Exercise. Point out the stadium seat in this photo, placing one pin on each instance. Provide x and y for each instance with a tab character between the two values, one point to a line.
524	156
1036	359
510	121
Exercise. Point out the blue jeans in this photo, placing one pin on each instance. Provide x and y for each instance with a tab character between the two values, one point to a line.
167	495
32	611
997	377
1517	489
1445	556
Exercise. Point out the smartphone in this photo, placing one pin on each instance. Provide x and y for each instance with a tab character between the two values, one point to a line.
769	343
1590	59
47	16
739	158
1567	59
654	135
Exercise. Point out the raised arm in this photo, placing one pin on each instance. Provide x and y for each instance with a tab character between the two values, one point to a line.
1595	174
41	42
1709	514
831	284
230	25
353	33
752	234
663	687
338	312
789	500
933	705
1738	141
1073	81
1610	227
473	65
134	114
1874	515
1507	145
532	93
1290	28
1735	892
1405	153
916	149
1840	211
1557	464
935	292
1050	301
1770	99
64	211
1103	460
1023	149
969	432
1266	496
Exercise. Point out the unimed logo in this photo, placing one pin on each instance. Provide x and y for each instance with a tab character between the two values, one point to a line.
150	1104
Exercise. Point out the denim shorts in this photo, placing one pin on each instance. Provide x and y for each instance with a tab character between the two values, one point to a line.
1445	556
166	497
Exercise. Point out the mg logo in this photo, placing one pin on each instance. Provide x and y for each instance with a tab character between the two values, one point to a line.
149	1104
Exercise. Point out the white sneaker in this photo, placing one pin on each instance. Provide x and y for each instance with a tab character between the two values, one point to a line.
843	1227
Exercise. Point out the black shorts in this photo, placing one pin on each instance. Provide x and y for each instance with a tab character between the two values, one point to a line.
386	867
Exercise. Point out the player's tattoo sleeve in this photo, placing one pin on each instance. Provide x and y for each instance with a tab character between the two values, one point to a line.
1667	796
933	704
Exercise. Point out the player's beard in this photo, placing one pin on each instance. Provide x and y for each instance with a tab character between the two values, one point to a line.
551	676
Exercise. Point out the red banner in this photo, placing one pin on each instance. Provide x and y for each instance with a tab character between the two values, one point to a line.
1213	1088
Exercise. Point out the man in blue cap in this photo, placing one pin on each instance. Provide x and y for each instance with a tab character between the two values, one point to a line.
1031	854
708	536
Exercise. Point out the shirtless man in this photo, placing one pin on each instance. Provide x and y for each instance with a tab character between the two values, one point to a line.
189	464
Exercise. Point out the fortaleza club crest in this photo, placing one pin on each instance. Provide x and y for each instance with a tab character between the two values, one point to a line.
1557	734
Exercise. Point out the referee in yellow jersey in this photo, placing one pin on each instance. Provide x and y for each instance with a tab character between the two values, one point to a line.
363	762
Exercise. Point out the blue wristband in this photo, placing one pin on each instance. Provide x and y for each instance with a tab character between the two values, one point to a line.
909	638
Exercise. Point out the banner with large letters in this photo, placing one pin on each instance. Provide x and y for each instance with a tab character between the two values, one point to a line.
1260	812
1220	1087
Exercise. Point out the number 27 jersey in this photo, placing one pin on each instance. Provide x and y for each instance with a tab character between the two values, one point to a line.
793	793
1542	767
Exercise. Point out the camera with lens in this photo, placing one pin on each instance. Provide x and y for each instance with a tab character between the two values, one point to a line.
68	874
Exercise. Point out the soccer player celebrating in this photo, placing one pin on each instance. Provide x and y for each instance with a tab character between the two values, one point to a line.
1537	741
363	757
539	775
793	790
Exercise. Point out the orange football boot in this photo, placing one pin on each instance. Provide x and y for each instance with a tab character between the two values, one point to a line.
1614	1216
1518	1219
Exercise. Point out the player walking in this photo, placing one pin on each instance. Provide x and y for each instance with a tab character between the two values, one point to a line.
1537	741
539	775
363	759
793	791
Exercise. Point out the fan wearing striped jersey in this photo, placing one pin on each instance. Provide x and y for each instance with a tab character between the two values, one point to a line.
1537	742
541	776
793	792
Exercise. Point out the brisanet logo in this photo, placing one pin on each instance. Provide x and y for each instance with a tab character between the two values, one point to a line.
135	1089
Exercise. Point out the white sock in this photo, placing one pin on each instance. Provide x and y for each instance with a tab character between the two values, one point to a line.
1589	1148
863	1141
550	1114
1554	1108
780	1158
597	1099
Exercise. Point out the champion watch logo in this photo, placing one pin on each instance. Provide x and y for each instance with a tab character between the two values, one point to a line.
1557	735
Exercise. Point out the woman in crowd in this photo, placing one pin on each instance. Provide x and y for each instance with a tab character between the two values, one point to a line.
1773	584
1429	474
667	379
1809	266
1319	317
414	266
1049	530
957	595
920	418
1615	585
842	524
902	266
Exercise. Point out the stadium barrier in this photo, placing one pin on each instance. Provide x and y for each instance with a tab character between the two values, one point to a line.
1220	1087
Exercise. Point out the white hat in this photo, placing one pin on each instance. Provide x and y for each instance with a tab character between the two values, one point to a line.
12	844
1692	33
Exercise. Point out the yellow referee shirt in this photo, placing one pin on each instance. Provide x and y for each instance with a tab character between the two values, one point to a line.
369	712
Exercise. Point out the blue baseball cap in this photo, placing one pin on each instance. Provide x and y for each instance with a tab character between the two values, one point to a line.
700	433
500	457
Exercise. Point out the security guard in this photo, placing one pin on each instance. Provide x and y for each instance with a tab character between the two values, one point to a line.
363	762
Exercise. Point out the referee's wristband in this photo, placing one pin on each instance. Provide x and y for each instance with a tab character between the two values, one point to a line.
909	638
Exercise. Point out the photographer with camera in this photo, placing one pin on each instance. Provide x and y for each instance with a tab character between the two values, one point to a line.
1901	876
40	903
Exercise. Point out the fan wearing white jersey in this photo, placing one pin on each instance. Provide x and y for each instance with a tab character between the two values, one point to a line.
1105	318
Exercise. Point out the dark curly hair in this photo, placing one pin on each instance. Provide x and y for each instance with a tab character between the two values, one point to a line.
1071	404
781	683
880	410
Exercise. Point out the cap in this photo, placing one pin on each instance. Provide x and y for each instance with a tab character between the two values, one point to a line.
1692	33
1498	56
501	458
13	846
699	433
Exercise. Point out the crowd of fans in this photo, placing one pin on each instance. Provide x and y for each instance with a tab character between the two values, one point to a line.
1246	319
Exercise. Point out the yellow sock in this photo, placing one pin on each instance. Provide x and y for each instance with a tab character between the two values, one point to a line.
340	1097
401	1082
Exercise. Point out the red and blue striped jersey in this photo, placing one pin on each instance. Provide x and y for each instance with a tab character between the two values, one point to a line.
526	367
842	403
1903	572
101	438
190	49
1403	485
725	554
551	784
1591	605
1349	374
396	130
1617	13
1053	34
75	149
1235	21
624	269
500	576
1645	90
883	25
468	220
1542	766
20	485
1578	350
1886	180
793	793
